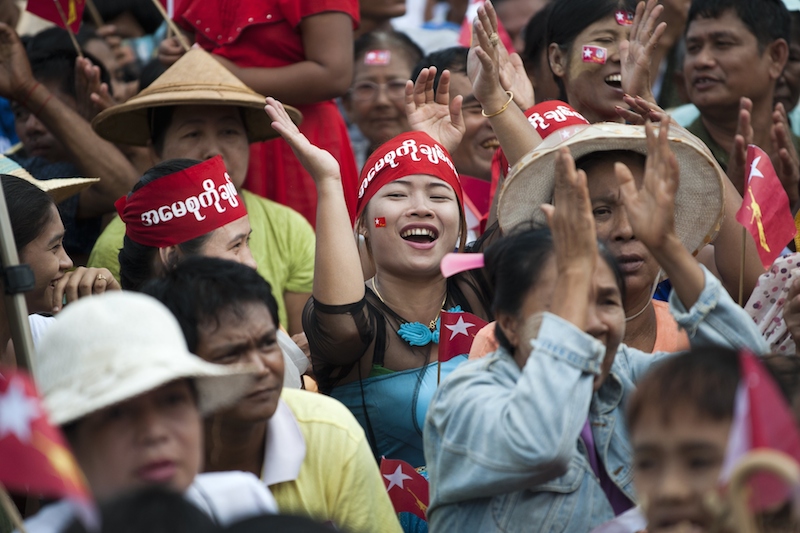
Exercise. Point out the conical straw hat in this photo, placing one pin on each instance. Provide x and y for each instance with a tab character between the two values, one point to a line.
699	200
195	79
59	189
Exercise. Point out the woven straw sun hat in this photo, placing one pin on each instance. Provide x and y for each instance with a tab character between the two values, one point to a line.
59	189
698	202
106	349
195	79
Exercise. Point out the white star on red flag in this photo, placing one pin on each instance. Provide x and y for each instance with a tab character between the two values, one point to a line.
396	479
754	171
17	411
459	328
587	52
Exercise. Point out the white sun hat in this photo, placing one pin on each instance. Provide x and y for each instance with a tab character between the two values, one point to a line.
699	200
106	349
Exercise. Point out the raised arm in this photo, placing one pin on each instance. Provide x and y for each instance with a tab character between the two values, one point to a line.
517	137
326	72
337	269
651	213
636	53
94	156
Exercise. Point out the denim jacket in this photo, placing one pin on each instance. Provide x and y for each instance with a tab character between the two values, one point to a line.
502	444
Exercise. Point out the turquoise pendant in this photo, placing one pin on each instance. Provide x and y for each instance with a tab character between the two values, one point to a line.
418	334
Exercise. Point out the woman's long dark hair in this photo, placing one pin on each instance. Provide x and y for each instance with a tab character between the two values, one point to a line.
29	209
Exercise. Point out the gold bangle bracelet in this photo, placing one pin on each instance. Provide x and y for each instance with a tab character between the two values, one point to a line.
510	99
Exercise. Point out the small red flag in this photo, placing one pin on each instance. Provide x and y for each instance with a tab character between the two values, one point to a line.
35	456
47	9
765	208
407	489
594	54
762	420
456	333
380	222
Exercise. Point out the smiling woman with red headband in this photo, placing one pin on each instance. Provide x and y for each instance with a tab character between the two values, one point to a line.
374	344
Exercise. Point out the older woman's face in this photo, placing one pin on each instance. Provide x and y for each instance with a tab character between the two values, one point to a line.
605	318
152	439
593	89
204	132
231	242
412	223
638	266
376	100
49	261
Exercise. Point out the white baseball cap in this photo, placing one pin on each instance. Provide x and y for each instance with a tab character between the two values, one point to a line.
109	348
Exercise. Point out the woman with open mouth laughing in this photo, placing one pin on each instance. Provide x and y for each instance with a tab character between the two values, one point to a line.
374	344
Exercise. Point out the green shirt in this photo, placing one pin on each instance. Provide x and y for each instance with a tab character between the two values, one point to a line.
282	244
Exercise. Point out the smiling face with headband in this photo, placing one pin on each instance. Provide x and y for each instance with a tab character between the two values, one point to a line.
182	209
409	204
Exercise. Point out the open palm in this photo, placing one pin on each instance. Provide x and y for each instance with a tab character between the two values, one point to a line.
434	113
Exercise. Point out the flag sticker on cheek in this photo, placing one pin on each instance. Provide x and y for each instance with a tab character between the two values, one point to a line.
594	54
378	57
624	18
380	222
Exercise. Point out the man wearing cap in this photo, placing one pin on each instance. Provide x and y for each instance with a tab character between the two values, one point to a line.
59	141
131	407
738	49
197	109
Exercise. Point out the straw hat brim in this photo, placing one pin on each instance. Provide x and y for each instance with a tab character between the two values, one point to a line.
59	189
129	123
217	386
699	200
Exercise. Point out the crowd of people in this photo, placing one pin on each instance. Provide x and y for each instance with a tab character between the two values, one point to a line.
238	225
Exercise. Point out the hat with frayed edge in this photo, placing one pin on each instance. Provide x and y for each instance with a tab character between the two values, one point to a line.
195	79
59	189
106	349
699	200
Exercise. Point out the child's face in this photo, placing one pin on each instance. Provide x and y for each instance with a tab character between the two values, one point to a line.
676	465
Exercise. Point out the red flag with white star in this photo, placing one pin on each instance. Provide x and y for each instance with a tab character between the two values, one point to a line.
594	54
48	10
765	211
35	456
456	333
407	489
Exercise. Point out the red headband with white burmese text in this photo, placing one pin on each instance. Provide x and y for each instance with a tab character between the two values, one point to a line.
407	154
182	206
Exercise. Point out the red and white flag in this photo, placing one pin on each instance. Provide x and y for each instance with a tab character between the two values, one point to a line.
407	489
594	54
762	419
48	10
456	333
765	208
34	457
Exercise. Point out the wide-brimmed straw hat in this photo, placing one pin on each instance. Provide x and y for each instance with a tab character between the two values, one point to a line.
59	189
195	79
698	202
103	350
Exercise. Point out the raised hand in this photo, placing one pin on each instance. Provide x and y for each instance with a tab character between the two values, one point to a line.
744	136
91	95
80	283
570	217
16	79
640	111
483	68
651	208
318	162
784	155
636	52
510	68
432	113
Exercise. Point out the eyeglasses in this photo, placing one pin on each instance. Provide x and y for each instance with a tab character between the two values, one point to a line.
365	91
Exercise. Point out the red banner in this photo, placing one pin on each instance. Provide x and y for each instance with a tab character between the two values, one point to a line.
48	10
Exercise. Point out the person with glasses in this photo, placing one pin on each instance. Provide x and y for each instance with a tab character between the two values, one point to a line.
375	103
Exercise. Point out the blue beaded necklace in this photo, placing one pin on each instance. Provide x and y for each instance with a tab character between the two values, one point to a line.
417	333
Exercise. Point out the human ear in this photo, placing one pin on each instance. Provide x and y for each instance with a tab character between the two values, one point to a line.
508	324
558	60
778	52
169	257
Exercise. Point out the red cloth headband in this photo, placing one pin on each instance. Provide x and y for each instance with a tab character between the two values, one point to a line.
182	206
409	153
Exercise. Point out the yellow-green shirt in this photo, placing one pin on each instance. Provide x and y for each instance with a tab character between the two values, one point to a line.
282	244
317	463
